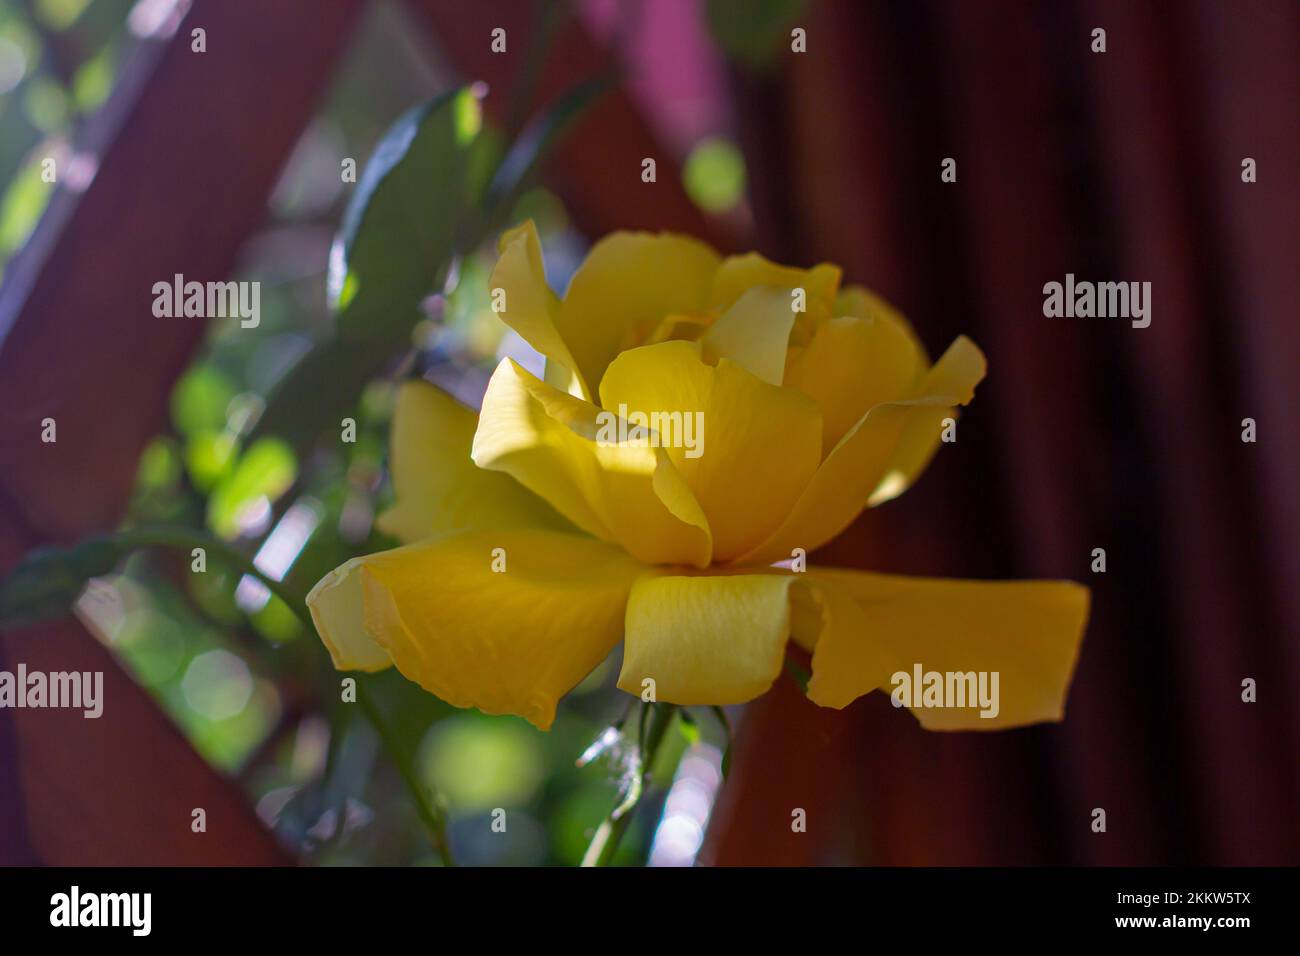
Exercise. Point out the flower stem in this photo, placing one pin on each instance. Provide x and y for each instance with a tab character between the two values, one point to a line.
614	827
187	539
430	810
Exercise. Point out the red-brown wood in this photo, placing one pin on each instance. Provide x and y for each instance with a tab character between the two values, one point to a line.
187	149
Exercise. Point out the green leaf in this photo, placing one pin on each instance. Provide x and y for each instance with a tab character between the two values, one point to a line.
323	388
47	581
800	674
721	714
435	188
160	465
200	400
689	728
264	472
714	175
750	31
532	146
400	234
400	228
208	457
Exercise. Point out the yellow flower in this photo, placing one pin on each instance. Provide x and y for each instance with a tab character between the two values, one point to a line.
534	544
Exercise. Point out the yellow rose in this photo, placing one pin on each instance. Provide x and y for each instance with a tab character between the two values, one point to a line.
534	543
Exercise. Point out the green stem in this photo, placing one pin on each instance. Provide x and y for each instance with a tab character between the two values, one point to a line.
552	18
186	539
427	806
430	810
614	827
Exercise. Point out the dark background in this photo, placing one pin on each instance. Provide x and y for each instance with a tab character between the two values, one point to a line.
1087	432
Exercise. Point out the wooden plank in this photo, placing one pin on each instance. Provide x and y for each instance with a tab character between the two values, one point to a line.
187	149
120	790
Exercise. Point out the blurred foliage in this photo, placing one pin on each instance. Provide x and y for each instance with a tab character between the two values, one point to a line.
714	175
398	239
254	454
263	473
58	61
